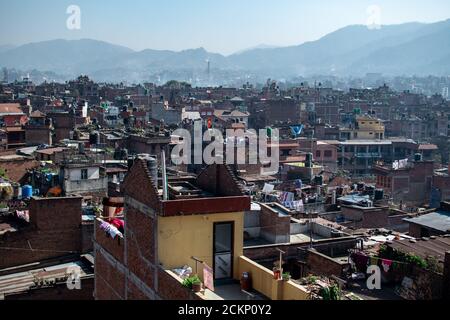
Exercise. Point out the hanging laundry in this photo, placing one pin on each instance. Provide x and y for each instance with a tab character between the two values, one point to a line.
111	230
268	188
297	130
402	163
23	215
360	260
395	165
386	264
298	183
119	224
208	277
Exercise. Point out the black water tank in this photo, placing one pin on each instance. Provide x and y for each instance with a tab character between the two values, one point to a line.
308	161
379	194
318	180
94	138
418	157
130	162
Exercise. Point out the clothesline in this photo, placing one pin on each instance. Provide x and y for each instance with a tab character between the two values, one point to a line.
378	258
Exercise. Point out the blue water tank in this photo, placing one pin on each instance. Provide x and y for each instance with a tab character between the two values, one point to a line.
27	191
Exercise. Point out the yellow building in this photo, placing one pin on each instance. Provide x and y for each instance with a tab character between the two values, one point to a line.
188	223
365	128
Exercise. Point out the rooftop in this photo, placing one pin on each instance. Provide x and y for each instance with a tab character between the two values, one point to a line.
44	276
439	220
433	246
10	109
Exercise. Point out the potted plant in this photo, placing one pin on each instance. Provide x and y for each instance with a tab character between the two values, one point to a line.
196	285
193	282
276	273
286	276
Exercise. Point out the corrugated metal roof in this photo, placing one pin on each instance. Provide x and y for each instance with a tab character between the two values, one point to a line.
439	220
436	247
24	281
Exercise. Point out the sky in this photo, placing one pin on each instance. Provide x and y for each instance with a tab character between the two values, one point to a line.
222	26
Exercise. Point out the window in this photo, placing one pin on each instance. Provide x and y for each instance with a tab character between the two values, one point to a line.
328	154
84	174
318	154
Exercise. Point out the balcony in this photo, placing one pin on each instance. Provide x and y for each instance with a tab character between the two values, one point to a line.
368	155
264	286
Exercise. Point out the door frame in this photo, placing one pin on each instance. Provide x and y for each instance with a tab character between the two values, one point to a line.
232	248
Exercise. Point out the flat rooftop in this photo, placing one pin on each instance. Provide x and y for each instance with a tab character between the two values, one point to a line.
439	220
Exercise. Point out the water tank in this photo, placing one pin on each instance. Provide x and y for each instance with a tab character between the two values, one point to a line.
318	180
379	194
130	162
418	157
17	191
308	161
94	138
152	165
370	190
27	192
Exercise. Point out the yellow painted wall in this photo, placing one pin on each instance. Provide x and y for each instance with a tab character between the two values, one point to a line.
181	237
263	282
293	291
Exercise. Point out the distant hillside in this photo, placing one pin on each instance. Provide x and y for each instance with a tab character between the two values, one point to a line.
406	49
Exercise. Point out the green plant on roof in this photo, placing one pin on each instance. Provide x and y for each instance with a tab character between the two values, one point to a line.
311	279
190	281
3	173
330	293
433	264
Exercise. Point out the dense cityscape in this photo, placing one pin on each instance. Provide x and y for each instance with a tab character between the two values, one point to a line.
225	185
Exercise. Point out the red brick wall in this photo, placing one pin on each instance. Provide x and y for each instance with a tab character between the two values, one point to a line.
272	225
140	246
322	265
87	237
134	293
366	218
54	231
415	230
44	245
219	179
56	213
171	289
106	272
37	136
137	180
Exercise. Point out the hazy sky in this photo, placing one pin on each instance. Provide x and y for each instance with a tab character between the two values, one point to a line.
223	26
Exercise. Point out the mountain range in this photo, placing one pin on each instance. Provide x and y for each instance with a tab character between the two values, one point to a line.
405	49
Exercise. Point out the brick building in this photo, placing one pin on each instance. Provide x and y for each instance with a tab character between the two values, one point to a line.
38	130
54	229
200	219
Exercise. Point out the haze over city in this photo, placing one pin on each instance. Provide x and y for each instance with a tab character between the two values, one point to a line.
249	152
221	26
